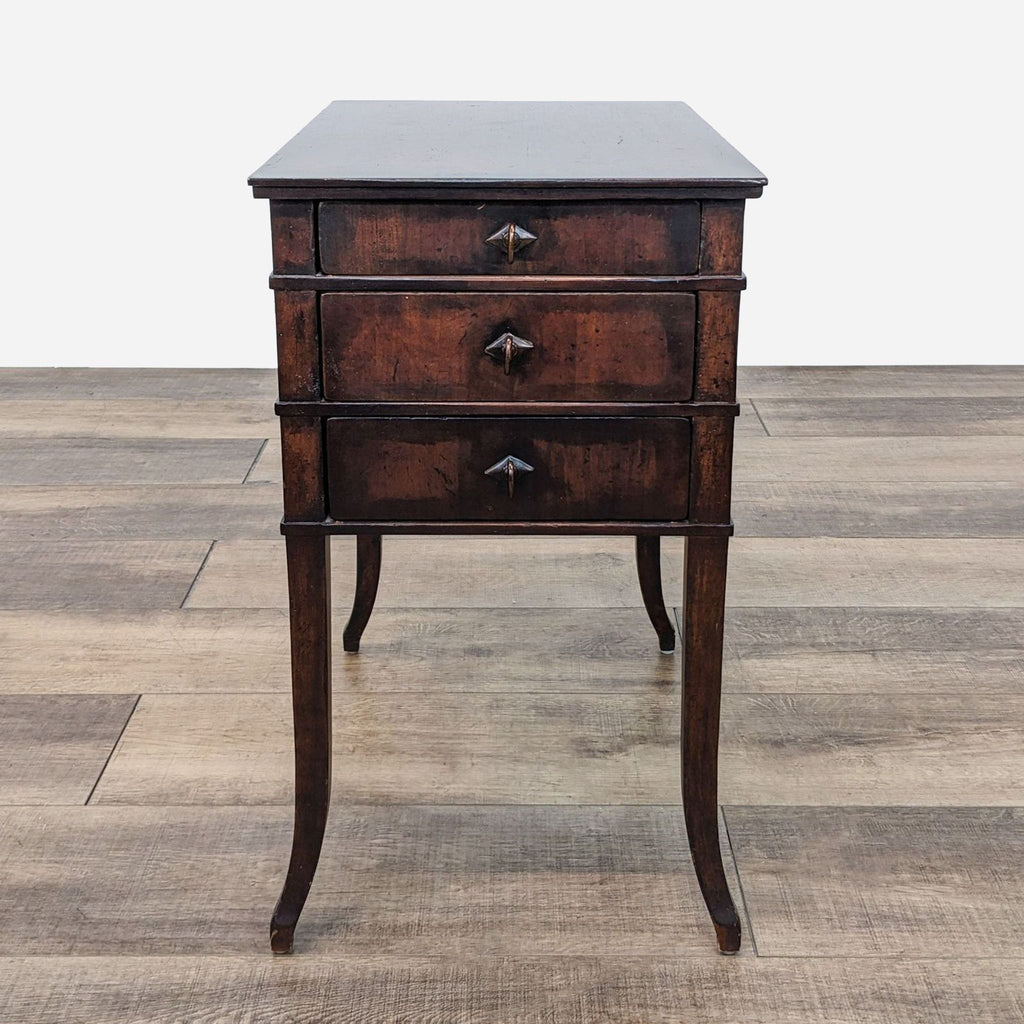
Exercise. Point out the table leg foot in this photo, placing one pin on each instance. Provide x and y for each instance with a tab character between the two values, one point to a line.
648	570
368	554
704	620
281	937
728	933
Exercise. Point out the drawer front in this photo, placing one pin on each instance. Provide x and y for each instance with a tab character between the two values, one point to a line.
645	238
493	346
565	469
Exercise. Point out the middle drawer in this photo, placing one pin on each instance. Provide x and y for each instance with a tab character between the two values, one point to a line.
508	346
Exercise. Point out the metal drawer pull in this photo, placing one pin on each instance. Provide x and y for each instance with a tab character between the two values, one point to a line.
508	467
507	347
511	238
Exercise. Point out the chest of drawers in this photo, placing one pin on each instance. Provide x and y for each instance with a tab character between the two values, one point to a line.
507	318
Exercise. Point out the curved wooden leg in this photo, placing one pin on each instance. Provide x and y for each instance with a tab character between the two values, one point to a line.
648	568
309	593
704	573
367	578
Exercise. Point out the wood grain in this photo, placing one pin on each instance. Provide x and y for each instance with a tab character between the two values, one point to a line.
125	650
71	461
405	748
875	650
596	468
877	460
717	331
818	382
510	990
577	748
305	484
293	236
55	745
877	572
789	631
481	572
721	241
823	650
139	418
81	574
431	347
598	572
898	417
892	881
872	749
471	881
768	650
109	382
598	239
141	513
229	650
298	341
268	466
906	509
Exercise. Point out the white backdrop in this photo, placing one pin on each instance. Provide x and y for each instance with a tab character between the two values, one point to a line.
890	231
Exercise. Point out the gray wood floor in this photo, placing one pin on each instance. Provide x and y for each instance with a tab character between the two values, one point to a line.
506	844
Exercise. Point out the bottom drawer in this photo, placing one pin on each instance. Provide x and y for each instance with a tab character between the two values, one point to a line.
457	468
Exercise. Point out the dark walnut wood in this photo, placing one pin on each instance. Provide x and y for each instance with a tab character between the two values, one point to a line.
648	568
500	283
394	144
436	469
309	594
703	630
585	347
509	527
704	410
368	554
293	236
453	238
507	318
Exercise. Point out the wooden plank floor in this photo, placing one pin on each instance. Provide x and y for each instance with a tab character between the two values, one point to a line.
505	843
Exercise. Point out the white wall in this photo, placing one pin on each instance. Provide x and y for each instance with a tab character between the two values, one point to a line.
890	231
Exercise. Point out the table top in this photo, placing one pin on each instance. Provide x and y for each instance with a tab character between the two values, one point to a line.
383	142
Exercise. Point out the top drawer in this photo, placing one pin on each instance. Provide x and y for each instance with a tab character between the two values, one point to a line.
599	238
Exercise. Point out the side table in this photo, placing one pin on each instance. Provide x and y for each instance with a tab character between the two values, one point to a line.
507	318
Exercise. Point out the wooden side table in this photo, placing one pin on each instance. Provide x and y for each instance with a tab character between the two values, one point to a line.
507	318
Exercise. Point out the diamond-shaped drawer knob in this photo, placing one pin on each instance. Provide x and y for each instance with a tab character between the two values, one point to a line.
508	469
510	238
506	348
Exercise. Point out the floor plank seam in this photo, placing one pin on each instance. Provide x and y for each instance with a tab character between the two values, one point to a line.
889	437
862	807
313	956
195	579
739	883
900	957
420	805
667	690
564	805
740	535
760	419
284	692
248	472
110	755
995	482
